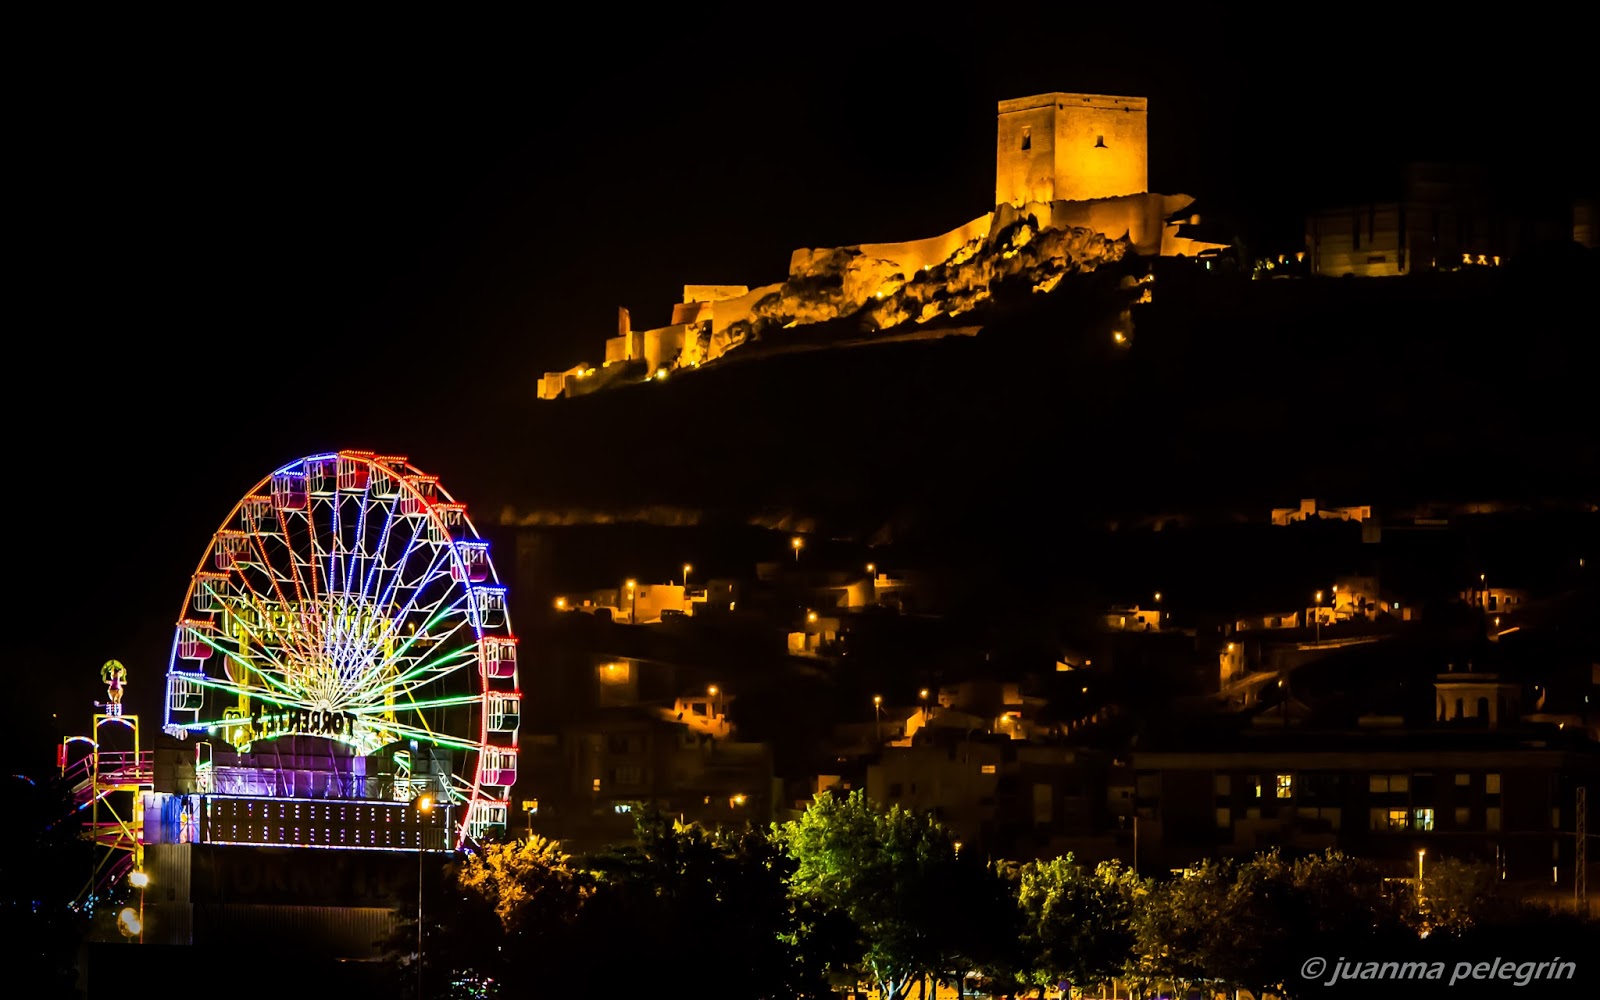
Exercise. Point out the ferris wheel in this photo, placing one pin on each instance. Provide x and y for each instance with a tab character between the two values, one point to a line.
348	597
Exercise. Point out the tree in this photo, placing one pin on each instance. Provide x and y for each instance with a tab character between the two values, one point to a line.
886	872
1183	931
680	889
1456	895
1078	921
504	914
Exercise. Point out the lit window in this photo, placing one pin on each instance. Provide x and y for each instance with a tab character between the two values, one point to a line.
597	784
1422	819
1491	818
988	769
1397	819
1285	786
1255	785
622	807
1224	817
1027	138
1463	780
1491	784
1463	815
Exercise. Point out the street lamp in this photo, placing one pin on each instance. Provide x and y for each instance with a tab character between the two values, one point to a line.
797	543
1319	617
872	568
923	694
633	599
140	880
713	691
424	804
1420	852
686	569
877	713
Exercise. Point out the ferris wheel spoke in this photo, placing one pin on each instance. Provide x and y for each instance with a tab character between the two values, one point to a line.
261	610
283	696
257	642
442	702
431	629
418	539
424	672
397	577
375	570
277	579
424	735
411	608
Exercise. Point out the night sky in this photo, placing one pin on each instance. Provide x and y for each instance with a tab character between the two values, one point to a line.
236	245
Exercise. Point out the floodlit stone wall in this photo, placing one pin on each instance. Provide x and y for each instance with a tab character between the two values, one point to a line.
1071	147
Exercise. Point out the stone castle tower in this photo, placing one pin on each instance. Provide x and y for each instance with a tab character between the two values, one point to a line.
1070	147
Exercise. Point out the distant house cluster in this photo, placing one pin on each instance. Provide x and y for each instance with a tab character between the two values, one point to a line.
1438	217
1381	709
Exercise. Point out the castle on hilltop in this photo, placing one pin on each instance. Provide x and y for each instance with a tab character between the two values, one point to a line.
1071	173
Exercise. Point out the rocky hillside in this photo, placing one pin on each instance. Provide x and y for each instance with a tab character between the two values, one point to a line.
1228	392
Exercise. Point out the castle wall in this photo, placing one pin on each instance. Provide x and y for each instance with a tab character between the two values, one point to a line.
661	346
908	257
713	293
731	311
1071	147
1139	217
1102	146
1025	156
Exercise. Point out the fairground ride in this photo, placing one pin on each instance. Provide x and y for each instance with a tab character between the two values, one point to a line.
344	656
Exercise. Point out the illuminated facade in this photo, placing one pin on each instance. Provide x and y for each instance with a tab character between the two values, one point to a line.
1071	147
1309	509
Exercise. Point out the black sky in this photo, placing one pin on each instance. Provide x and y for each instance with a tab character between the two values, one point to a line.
235	244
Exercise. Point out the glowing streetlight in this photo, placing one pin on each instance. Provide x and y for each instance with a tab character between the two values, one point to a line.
872	567
1319	617
716	706
1420	852
140	880
797	543
877	712
561	604
424	806
633	602
811	617
686	569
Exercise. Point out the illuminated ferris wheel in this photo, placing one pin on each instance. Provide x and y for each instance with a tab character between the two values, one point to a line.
348	601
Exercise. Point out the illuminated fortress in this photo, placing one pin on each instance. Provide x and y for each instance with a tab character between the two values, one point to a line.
1071	173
